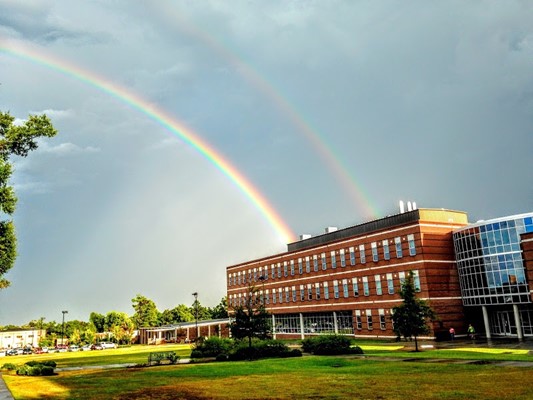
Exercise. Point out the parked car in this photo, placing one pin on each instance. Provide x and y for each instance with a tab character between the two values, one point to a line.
96	347
27	350
73	347
12	352
61	348
108	345
87	347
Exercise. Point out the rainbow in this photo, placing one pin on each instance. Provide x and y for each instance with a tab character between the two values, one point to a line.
328	156
177	128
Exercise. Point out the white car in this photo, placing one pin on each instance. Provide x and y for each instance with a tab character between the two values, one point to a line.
108	345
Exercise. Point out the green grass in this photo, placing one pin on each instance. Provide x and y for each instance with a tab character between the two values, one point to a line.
373	375
310	377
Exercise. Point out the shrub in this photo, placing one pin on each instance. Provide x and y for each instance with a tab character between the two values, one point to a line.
222	357
212	347
36	368
329	345
9	367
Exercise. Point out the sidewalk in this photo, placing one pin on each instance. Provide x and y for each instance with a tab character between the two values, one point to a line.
5	394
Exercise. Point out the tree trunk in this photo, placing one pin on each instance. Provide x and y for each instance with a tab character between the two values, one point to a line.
416	344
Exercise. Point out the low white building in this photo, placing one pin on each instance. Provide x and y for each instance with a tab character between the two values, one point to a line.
21	338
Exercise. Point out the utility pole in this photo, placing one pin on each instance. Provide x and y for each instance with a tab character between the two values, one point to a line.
195	294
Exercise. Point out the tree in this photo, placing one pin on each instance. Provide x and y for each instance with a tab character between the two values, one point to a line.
221	310
16	140
146	313
98	321
410	318
180	313
120	325
251	320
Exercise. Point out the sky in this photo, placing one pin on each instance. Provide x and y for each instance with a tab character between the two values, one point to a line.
198	135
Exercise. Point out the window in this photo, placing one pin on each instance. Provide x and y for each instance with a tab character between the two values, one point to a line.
273	272
355	286
292	267
345	290
366	290
343	258
358	322
317	290
412	248
390	284
398	245
362	256
255	274
416	280
274	296
300	266
309	291
379	291
285	269
401	275
287	295
279	270
249	275
382	322
326	291
374	247
239	278
336	289
369	320
267	297
280	293
324	262
307	265
386	251
352	256
315	263
265	272
294	294
302	293
333	260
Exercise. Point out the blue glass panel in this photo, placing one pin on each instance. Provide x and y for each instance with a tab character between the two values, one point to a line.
528	221
529	228
511	223
489	227
496	226
482	228
503	224
505	236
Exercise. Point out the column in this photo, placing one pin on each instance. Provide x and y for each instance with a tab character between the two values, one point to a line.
273	326
486	321
302	330
517	322
335	324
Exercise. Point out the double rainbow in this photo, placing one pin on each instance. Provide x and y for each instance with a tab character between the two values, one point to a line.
177	128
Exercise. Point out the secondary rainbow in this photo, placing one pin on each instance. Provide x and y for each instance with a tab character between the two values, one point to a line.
329	157
177	128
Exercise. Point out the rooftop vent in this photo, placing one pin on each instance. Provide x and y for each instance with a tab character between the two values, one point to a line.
305	236
330	229
410	206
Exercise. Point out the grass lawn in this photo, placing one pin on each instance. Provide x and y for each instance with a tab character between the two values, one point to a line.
295	378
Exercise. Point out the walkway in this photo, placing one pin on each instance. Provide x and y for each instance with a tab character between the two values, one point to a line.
5	394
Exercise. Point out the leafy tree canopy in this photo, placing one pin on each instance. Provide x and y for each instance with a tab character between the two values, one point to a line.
16	140
146	313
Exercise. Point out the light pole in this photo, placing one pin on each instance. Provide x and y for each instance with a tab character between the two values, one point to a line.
195	294
63	328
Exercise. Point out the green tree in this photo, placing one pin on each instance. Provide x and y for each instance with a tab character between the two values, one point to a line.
16	140
251	320
220	310
120	325
98	321
411	317
146	313
180	313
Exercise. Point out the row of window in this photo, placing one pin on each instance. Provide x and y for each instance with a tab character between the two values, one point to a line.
339	322
320	261
320	290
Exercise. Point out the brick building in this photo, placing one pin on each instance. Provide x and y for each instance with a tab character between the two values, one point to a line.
347	281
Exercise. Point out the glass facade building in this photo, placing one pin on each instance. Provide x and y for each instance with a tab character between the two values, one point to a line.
492	273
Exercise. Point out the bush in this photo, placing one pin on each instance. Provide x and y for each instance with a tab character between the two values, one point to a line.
36	368
212	347
329	345
9	367
222	357
260	349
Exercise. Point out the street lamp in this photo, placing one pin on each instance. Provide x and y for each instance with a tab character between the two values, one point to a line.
63	328
195	294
